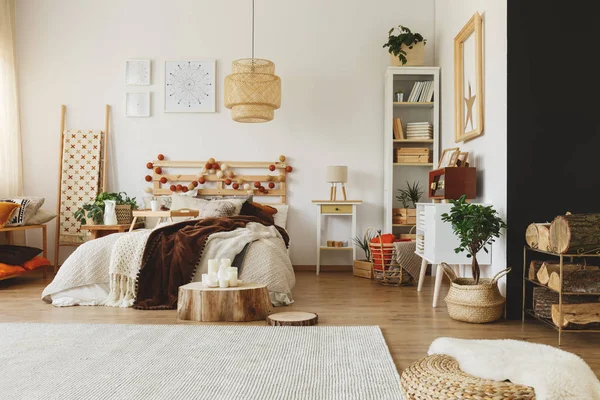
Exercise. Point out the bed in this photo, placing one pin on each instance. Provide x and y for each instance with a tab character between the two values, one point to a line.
108	271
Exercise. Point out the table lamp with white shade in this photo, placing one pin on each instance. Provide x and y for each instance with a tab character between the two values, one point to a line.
336	174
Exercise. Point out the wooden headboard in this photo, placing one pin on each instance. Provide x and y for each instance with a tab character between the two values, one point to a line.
215	186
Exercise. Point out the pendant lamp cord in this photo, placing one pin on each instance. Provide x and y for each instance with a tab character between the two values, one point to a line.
253	30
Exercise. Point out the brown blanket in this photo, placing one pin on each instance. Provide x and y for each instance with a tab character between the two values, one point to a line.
171	256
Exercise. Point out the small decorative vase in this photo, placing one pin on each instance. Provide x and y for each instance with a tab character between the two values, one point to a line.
110	214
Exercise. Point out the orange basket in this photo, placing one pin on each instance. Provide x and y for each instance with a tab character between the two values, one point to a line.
383	258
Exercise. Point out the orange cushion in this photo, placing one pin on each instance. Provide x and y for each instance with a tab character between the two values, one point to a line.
6	211
385	238
7	270
36	262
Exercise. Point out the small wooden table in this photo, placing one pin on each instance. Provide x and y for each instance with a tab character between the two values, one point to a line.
184	212
99	231
242	303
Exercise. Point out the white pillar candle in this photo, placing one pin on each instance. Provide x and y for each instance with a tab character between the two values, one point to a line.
223	283
233	276
213	266
205	279
226	262
213	281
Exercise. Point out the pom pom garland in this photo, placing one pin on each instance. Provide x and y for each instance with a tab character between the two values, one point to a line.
220	174
282	158
208	165
257	184
163	180
160	157
211	160
271	167
289	168
224	166
173	188
195	183
202	180
184	189
228	181
215	166
236	186
158	170
149	165
271	185
179	187
246	186
148	178
229	173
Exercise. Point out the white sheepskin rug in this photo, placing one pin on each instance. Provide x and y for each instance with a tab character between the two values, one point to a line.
554	374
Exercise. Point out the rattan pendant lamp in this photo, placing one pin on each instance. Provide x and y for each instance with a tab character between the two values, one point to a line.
252	90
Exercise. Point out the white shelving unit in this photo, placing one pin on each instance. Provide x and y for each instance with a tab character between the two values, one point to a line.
395	175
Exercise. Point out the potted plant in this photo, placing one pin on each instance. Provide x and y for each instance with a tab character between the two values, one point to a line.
92	213
405	47
411	194
476	299
363	268
398	96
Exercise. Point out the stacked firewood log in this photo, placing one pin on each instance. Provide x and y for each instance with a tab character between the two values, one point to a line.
567	234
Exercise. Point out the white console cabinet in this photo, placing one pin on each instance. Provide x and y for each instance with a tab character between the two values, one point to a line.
436	243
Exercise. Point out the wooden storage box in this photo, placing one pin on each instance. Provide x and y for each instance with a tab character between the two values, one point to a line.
412	155
363	269
452	182
406	216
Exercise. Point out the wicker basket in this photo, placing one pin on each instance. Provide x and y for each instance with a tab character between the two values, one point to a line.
477	304
439	377
124	214
383	258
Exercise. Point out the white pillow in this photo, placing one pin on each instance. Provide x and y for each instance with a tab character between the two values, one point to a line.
208	208
41	217
281	217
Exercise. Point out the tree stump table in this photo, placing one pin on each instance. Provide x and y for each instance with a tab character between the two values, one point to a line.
243	303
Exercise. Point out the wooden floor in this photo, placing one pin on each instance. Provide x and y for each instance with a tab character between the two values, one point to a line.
406	317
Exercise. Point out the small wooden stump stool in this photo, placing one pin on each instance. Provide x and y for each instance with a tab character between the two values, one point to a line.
246	302
293	318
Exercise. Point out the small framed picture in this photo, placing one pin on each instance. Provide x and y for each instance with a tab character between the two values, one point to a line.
461	161
137	72
137	104
449	157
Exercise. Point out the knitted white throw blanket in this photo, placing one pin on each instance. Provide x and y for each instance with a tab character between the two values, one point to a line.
553	374
267	259
125	263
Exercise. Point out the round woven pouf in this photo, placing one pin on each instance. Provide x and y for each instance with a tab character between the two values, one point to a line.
293	318
438	377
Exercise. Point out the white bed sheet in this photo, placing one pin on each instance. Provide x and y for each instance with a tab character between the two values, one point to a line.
87	295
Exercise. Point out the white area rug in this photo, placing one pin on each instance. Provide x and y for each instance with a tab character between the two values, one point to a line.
73	361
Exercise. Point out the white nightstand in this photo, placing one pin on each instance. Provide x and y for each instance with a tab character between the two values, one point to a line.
335	208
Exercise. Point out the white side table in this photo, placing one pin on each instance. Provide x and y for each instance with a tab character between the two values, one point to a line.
335	208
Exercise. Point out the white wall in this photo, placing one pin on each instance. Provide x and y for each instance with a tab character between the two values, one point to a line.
327	53
489	150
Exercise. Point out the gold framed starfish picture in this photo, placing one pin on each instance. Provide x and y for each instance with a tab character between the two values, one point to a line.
468	81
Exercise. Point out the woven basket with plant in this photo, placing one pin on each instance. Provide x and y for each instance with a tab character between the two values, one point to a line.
474	300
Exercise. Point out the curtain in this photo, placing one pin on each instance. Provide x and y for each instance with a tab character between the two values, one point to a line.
11	182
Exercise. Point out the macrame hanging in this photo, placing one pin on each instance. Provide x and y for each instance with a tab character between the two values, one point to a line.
252	90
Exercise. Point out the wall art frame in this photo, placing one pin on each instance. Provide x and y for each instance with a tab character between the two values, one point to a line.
468	81
190	85
137	104
138	72
448	158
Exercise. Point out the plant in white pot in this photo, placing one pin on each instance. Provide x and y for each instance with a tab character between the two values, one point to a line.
405	47
476	299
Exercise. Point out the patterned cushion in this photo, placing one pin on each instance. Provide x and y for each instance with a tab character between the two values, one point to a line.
18	217
41	217
7	209
208	208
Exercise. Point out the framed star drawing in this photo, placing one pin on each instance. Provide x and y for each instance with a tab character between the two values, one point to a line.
468	81
190	86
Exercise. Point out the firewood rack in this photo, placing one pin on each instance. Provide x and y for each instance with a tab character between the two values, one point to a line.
528	285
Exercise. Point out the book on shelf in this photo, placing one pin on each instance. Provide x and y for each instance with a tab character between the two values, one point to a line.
397	128
422	91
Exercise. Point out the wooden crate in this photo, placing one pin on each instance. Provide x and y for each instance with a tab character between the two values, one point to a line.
362	269
404	216
413	155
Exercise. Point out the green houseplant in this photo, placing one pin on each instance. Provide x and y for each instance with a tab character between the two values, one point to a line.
405	47
476	226
363	268
476	299
411	194
93	212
